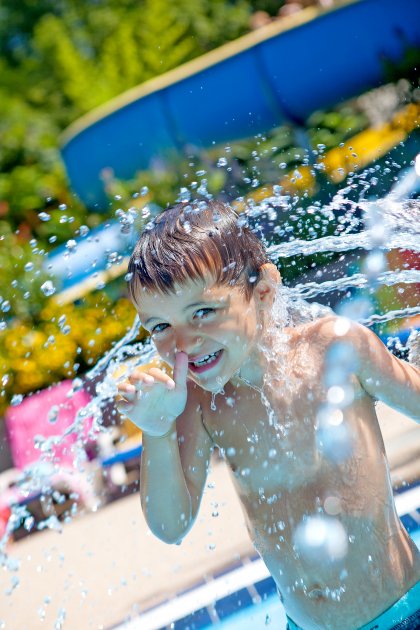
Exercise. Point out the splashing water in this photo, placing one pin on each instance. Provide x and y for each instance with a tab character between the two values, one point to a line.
391	224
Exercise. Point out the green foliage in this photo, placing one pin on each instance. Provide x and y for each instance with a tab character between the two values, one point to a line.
91	56
215	22
17	21
60	60
330	128
169	182
22	266
30	168
165	40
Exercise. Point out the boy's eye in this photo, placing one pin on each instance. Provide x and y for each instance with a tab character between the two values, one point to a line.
203	312
159	328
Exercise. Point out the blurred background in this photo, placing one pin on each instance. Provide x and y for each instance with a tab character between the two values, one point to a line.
294	109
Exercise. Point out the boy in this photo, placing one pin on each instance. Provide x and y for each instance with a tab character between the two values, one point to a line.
294	415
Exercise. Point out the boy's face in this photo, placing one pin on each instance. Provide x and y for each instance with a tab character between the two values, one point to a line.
214	324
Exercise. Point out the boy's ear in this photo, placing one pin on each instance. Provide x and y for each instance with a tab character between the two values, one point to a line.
266	287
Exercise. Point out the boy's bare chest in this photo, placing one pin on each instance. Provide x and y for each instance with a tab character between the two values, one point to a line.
267	440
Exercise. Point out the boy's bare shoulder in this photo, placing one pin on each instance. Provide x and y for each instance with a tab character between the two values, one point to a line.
323	331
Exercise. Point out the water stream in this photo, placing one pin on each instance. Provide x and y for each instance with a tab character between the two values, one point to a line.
389	224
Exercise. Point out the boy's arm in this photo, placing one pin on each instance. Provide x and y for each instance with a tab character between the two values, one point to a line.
383	376
173	474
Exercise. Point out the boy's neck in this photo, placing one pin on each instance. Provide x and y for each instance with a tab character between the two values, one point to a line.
252	371
255	367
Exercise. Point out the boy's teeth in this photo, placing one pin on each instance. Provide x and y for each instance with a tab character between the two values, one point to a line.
206	359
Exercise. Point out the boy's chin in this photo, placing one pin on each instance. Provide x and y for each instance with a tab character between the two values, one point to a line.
211	385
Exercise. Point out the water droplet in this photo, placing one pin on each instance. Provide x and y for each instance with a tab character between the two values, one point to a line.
44	216
375	263
341	326
5	307
335	395
58	625
53	414
320	536
48	288
16	400
52	523
71	244
184	195
29	523
77	384
332	505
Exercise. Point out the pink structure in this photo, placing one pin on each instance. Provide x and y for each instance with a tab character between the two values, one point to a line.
48	412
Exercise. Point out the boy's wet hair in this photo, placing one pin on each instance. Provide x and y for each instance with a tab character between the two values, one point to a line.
188	241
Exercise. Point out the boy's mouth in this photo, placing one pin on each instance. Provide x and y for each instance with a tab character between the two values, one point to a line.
205	362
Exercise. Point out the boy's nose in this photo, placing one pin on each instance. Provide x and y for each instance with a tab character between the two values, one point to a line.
190	344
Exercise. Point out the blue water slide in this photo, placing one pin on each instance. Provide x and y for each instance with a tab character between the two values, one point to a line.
90	254
282	72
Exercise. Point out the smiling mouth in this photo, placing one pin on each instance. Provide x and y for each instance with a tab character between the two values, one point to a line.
205	362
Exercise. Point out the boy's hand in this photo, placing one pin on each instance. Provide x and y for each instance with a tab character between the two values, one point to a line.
154	400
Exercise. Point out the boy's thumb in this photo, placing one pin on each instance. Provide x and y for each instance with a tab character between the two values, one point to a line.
181	369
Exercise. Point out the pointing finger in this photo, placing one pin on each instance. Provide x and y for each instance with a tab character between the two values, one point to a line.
181	370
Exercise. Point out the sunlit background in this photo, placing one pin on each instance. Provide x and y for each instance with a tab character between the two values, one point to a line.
305	116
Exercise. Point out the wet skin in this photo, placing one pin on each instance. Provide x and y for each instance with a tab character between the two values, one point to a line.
382	562
271	444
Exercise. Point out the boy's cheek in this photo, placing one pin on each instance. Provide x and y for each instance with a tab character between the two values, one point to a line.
166	355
